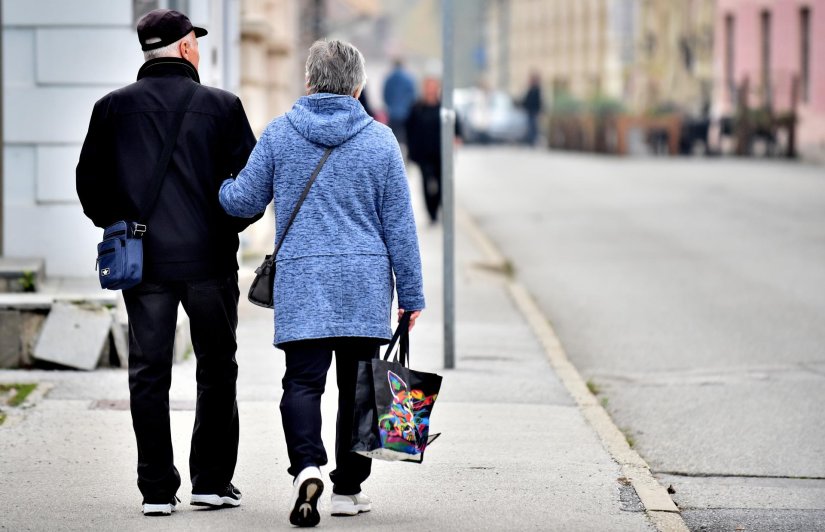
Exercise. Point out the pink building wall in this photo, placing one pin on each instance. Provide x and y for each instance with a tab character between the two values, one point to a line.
784	58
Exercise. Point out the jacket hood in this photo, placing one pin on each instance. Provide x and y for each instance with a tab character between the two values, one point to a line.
328	119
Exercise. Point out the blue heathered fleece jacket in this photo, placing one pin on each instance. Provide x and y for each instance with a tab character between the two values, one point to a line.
334	274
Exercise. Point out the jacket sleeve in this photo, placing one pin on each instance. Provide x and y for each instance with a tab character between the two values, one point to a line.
400	234
241	142
95	178
250	193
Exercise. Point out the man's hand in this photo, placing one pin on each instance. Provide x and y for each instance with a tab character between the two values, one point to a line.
414	316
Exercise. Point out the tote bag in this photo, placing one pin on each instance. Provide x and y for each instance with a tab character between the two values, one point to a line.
393	404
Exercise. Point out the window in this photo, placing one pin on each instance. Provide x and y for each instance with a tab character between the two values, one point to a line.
805	54
730	80
765	31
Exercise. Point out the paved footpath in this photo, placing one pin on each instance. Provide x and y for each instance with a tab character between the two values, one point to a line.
516	454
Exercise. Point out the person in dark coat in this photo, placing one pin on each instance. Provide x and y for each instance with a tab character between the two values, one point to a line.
533	106
190	248
365	103
424	142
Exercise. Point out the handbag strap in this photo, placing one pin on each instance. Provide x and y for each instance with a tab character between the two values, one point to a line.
163	162
300	202
402	337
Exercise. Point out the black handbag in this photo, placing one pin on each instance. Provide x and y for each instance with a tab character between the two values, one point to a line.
262	290
393	404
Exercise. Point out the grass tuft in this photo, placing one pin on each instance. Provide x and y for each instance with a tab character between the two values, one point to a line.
21	392
631	441
593	387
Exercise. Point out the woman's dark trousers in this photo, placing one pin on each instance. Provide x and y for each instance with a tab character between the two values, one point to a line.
307	363
212	307
431	182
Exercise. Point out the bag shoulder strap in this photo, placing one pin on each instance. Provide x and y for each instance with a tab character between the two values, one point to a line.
301	201
163	162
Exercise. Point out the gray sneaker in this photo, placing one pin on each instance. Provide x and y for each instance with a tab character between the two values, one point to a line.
350	504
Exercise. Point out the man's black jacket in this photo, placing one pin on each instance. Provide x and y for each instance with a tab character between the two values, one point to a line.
188	236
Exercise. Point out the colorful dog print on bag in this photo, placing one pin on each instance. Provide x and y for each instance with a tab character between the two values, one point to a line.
404	428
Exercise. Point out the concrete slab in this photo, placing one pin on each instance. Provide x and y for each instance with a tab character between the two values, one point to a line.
746	492
74	336
755	520
120	342
11	322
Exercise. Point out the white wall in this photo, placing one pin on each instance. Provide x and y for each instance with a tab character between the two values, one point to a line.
59	57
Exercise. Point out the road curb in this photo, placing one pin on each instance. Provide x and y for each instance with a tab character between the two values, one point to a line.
659	507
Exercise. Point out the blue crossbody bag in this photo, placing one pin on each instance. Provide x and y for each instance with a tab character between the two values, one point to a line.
120	254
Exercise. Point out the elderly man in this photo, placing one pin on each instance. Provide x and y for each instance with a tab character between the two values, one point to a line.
190	248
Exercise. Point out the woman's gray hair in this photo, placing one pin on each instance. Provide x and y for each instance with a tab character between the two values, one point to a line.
335	67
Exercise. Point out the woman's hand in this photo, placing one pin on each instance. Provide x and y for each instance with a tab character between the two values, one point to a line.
414	316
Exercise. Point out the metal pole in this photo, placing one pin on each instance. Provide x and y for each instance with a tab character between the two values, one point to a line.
447	189
226	45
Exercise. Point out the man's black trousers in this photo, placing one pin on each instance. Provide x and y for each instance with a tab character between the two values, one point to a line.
307	363
212	307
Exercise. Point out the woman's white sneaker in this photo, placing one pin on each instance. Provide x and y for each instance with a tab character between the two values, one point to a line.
350	504
306	490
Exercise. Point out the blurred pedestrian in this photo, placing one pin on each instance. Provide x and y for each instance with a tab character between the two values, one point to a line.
365	103
353	234
424	142
533	106
189	251
399	97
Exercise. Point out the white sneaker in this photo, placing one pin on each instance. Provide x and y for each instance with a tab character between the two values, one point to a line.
306	490
160	509
229	497
350	504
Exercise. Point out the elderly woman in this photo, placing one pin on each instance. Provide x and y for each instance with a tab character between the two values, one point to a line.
334	275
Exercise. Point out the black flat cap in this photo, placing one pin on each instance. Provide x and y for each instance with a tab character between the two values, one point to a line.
162	27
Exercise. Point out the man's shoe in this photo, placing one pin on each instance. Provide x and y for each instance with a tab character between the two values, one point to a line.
229	497
350	504
306	490
155	509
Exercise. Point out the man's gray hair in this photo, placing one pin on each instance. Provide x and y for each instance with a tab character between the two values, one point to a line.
335	67
170	50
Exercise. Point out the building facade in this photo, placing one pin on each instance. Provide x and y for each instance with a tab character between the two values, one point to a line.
778	47
574	45
641	52
270	67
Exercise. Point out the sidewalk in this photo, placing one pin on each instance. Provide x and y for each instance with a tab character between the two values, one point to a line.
516	452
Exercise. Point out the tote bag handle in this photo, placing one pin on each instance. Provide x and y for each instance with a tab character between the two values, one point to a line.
402	337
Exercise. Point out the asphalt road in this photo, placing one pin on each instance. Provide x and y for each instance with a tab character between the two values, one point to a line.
691	292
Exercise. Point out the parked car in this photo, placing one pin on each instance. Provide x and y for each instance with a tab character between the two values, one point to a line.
489	116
